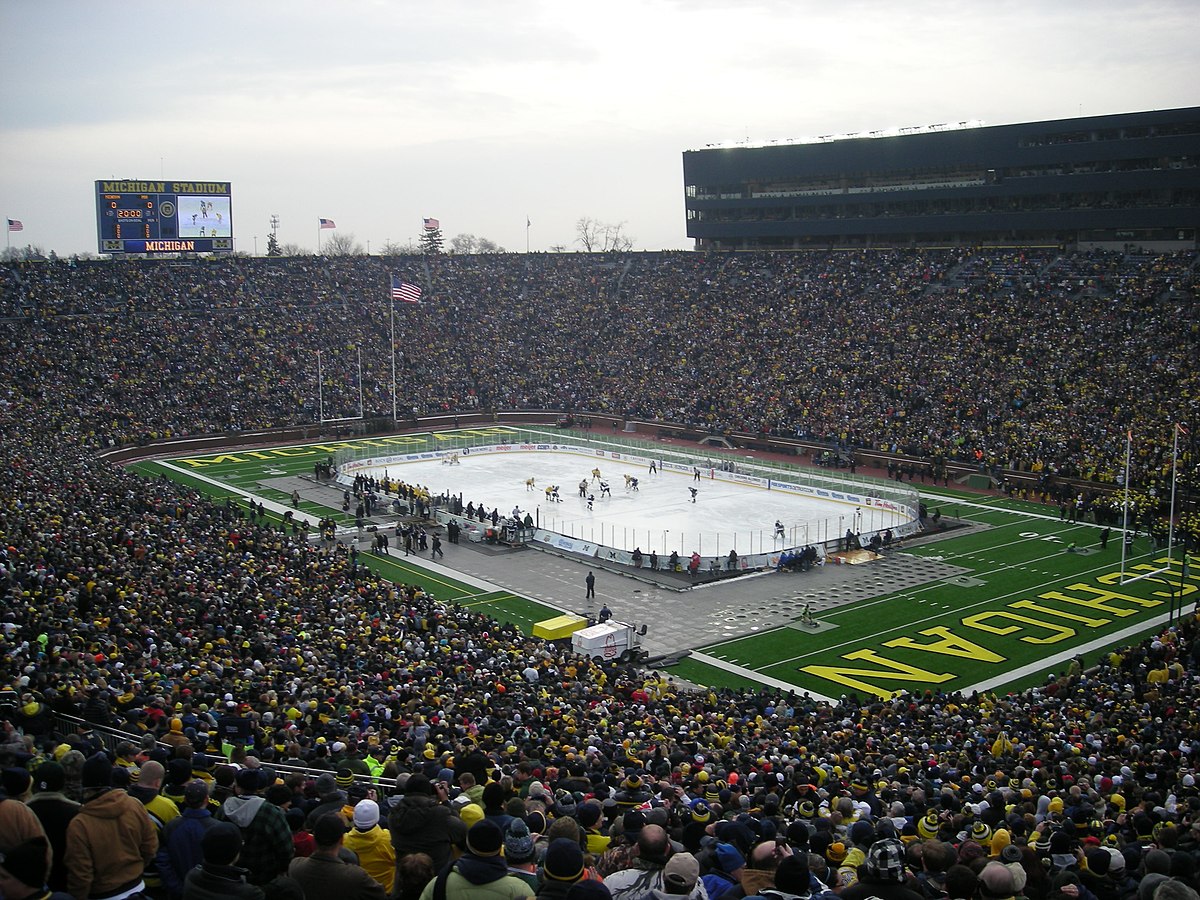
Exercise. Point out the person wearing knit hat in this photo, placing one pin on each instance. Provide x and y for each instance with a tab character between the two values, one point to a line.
980	833
1000	839
792	876
480	871
484	839
471	813
111	839
590	815
928	826
562	866
565	804
1062	855
519	853
884	874
727	874
332	798
372	844
836	853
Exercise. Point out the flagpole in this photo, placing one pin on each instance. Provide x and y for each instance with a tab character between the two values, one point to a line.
318	237
320	391
1125	508
527	224
392	317
1171	514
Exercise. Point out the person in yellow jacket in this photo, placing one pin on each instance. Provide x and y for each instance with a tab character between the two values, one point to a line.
372	844
1002	746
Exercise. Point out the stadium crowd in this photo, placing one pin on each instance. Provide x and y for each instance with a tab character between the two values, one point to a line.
299	726
1038	363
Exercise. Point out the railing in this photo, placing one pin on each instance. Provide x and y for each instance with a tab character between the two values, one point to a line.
110	737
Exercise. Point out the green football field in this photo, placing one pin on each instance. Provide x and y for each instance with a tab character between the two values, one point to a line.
1026	604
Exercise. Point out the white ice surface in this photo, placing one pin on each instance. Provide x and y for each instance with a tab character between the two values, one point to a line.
658	516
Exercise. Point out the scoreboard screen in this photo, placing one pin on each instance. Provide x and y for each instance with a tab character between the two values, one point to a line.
164	217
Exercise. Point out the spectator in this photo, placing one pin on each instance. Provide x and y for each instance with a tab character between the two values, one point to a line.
562	866
884	874
726	874
161	811
421	823
646	872
413	872
180	846
218	876
480	869
326	874
519	854
266	838
23	872
110	841
371	844
55	811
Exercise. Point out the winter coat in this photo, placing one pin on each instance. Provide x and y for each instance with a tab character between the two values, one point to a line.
109	844
375	853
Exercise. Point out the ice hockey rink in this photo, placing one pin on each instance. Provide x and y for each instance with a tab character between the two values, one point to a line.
659	515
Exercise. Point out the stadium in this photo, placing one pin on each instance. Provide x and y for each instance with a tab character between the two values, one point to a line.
206	457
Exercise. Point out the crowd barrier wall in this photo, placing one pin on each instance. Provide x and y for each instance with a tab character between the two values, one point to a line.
615	543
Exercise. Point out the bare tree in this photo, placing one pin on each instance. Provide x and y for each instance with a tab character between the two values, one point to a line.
292	250
464	243
616	240
341	245
391	248
587	234
484	245
601	237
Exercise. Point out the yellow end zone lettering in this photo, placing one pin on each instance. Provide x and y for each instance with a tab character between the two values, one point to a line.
1099	599
1033	607
980	621
471	432
894	670
402	440
950	644
348	445
214	461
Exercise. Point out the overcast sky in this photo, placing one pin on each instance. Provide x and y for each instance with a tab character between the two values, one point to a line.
375	113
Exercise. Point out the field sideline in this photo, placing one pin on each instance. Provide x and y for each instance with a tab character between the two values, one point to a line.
1021	605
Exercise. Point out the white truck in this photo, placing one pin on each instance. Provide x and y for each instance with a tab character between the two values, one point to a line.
610	640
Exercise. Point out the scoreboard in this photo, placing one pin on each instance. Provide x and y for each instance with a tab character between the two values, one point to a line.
164	217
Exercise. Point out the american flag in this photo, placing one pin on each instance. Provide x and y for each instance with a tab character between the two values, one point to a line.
405	292
327	223
16	225
432	224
